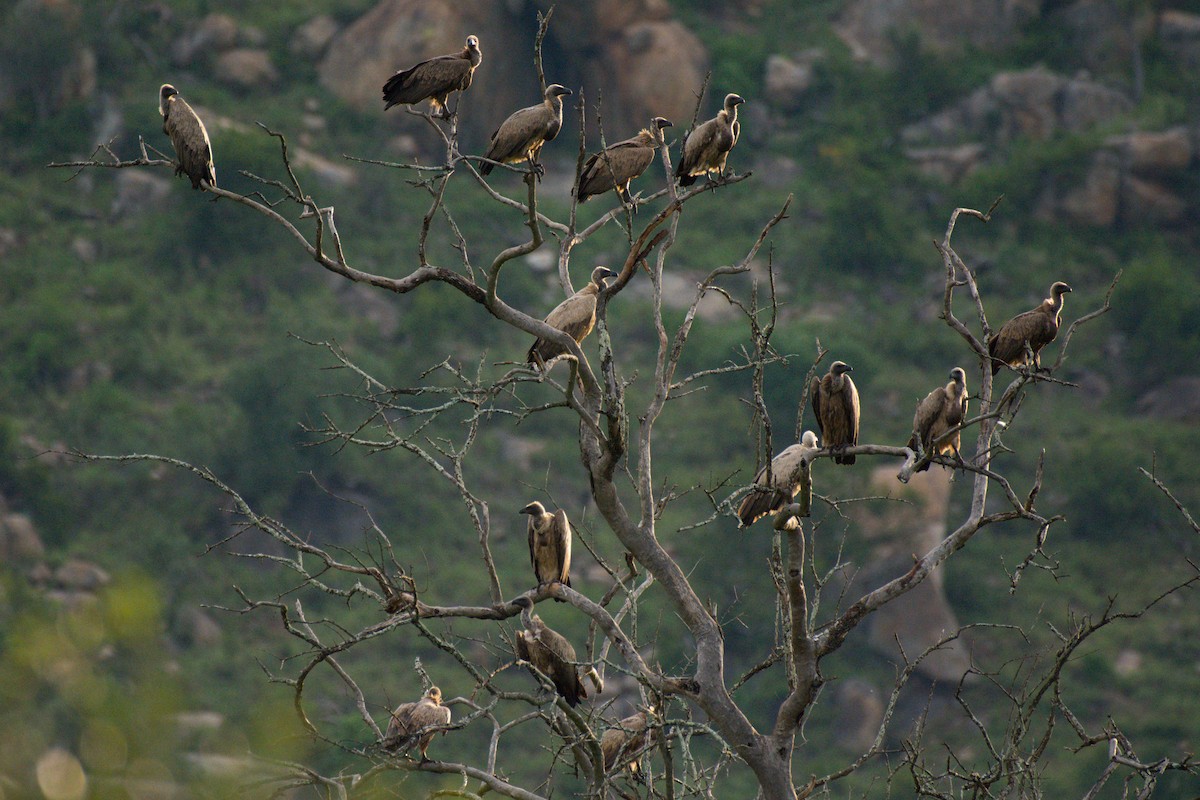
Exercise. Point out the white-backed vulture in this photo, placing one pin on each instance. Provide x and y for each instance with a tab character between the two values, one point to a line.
434	79
789	474
835	404
410	719
550	652
1037	327
618	164
706	148
575	316
549	544
625	741
942	409
188	136
521	136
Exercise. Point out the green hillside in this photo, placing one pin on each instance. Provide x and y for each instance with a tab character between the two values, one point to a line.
139	317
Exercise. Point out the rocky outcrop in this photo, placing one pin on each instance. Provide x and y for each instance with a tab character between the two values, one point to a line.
631	52
245	68
870	27
920	618
1034	103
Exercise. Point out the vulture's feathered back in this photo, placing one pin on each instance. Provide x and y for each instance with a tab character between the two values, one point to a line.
575	316
521	136
942	410
835	404
790	473
434	79
706	148
1037	327
188	136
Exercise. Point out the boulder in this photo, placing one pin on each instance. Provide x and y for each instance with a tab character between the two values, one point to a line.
1151	153
213	34
587	25
245	68
788	79
1150	203
310	39
858	709
1179	33
921	617
948	164
1094	201
19	539
79	575
869	27
653	69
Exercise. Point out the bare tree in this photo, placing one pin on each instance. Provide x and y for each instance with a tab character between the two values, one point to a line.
697	731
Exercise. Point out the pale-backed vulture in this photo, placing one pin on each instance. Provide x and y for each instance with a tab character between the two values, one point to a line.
434	79
626	740
550	652
549	544
188	136
1037	327
942	410
410	721
575	316
789	474
835	403
521	136
706	148
618	164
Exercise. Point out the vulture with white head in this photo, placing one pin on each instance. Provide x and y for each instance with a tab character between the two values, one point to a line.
790	473
521	136
434	79
835	404
707	146
942	410
1037	328
188	136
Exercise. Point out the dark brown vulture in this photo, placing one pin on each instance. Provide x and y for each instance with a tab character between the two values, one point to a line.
434	80
942	409
521	136
1037	327
575	316
625	741
835	403
409	719
706	148
549	544
188	136
789	474
618	164
550	653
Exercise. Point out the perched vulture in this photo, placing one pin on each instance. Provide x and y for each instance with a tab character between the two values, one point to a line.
706	148
625	741
550	653
575	316
410	719
789	474
618	164
942	409
189	137
1037	327
835	403
549	544
435	79
521	136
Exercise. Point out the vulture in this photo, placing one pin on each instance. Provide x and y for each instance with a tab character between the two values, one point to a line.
789	474
1037	327
521	136
618	164
942	409
434	80
188	136
706	148
550	653
411	719
625	741
549	544
575	316
835	403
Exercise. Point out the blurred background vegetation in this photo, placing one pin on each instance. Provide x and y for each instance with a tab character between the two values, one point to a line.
138	317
